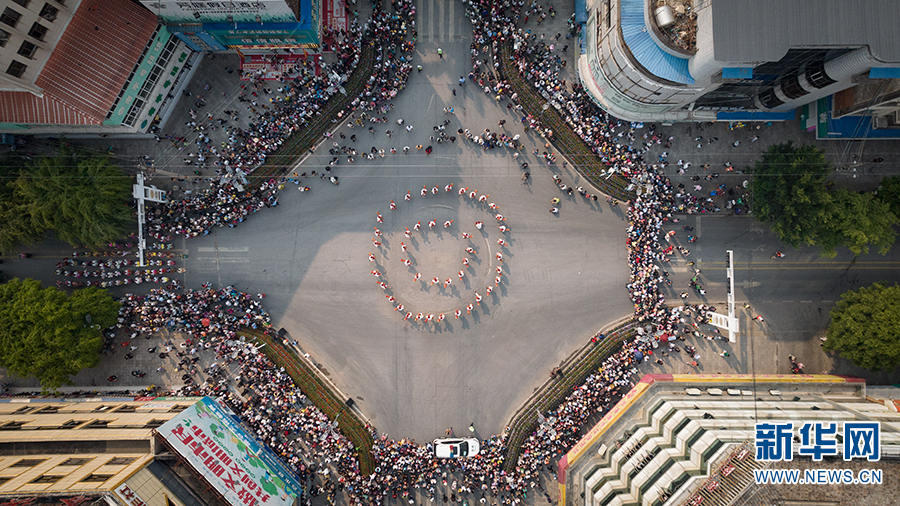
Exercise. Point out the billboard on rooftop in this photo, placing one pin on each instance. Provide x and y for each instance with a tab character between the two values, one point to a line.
245	472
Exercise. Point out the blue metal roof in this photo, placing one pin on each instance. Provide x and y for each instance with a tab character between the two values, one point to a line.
645	50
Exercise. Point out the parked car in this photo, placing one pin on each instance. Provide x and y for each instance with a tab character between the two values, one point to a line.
452	448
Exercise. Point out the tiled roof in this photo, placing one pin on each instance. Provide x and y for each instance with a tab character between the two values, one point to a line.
22	107
88	67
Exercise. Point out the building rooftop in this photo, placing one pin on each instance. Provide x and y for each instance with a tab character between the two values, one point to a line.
88	67
682	34
675	437
764	30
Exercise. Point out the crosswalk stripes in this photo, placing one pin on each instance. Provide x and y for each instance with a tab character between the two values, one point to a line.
438	21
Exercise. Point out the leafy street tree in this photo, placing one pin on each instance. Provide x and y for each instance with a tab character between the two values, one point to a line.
865	327
889	193
858	220
16	225
790	194
84	200
44	332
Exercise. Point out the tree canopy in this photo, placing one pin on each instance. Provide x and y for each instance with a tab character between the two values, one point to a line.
44	332
865	327
791	195
16	225
889	193
83	199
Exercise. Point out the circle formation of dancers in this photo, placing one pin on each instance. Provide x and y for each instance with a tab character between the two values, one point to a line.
471	252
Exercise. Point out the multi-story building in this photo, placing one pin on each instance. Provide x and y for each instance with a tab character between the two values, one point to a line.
706	60
29	30
87	447
249	27
104	66
149	451
690	440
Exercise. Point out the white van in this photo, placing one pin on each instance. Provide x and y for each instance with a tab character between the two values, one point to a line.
452	448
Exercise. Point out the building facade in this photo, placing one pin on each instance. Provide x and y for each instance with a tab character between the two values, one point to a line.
249	27
674	438
81	72
91	447
29	30
706	60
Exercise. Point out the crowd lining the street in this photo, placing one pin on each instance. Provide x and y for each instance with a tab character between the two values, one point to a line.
264	395
292	107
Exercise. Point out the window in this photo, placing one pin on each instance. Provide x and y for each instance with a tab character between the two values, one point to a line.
769	100
45	478
120	461
15	425
16	68
96	478
97	424
28	462
48	410
27	49
38	31
75	461
23	3
817	77
61	2
791	87
4	38
10	17
49	12
154	424
127	408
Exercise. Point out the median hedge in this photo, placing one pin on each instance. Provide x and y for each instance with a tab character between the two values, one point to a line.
585	161
300	142
321	395
588	361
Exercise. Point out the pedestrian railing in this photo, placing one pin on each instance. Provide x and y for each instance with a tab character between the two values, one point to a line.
577	368
583	159
300	142
321	395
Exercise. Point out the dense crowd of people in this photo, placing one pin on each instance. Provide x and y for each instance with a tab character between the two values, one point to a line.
264	395
268	401
297	101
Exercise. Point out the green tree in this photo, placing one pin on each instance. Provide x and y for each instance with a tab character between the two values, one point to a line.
889	193
858	220
865	327
789	192
16	225
44	332
84	200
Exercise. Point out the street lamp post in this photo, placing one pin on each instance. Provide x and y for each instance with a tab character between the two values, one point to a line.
729	321
142	193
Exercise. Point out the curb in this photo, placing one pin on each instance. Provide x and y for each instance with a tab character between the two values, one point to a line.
565	363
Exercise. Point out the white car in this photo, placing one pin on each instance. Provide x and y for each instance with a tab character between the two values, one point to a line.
452	448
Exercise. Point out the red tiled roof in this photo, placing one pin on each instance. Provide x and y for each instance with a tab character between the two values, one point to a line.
88	67
22	107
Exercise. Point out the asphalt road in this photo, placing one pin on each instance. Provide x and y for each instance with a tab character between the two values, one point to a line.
564	275
794	294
